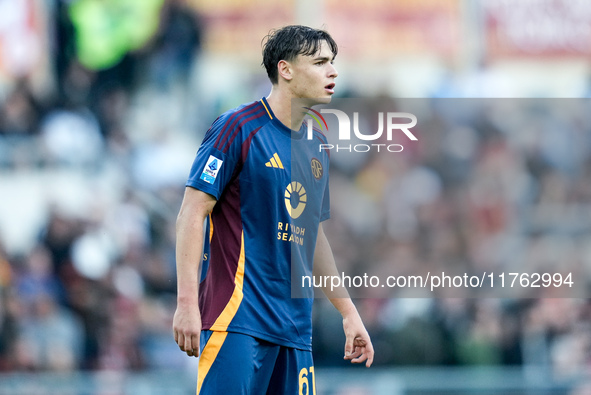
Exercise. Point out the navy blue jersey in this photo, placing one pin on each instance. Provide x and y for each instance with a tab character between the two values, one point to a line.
271	186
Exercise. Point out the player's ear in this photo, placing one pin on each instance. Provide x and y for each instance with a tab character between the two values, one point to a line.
284	69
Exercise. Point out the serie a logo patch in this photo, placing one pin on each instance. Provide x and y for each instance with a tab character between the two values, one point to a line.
211	169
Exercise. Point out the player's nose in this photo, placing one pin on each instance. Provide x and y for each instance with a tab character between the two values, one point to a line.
333	73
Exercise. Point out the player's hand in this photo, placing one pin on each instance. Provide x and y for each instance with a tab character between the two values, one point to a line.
186	326
358	347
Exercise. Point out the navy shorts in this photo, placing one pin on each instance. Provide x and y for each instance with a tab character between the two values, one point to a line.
234	363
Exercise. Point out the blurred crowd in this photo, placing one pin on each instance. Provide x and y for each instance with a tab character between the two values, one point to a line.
491	185
495	185
96	287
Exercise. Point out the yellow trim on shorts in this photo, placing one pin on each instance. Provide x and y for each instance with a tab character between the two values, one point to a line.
208	356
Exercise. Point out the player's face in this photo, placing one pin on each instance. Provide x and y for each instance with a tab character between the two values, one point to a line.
313	76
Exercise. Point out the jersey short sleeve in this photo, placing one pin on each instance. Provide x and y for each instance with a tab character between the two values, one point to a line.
325	158
325	214
215	162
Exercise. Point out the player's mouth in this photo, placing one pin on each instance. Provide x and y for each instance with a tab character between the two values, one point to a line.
330	88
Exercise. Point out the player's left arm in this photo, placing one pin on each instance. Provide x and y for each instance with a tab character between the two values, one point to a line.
358	347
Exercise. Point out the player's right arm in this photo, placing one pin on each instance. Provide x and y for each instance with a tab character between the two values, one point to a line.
186	325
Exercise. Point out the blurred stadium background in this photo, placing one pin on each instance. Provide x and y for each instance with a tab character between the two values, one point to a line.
104	103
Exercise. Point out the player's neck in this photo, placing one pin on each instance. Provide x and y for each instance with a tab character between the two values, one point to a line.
281	105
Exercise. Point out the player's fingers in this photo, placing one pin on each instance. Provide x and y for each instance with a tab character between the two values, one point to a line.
188	347
195	345
356	353
360	358
370	354
180	340
359	355
349	347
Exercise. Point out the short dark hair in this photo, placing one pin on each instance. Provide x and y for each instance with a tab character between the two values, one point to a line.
289	42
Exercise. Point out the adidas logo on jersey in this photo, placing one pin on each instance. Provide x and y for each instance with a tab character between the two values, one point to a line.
275	162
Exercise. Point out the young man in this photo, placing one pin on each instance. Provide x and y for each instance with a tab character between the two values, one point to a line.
262	188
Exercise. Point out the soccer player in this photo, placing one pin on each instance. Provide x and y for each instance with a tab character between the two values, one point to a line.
251	214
